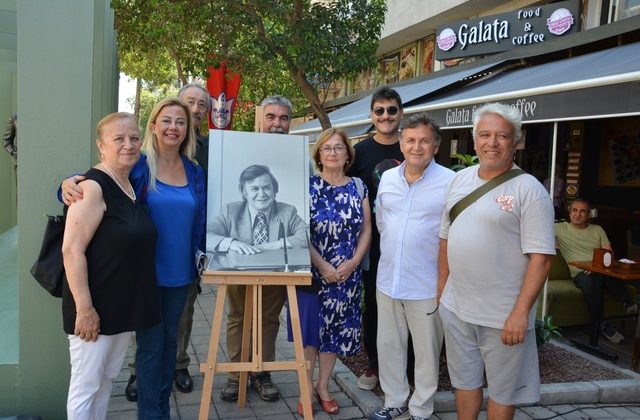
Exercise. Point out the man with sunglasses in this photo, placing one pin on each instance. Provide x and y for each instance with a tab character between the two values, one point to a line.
409	207
374	155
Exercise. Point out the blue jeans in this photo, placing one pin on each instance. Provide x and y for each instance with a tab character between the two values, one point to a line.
156	356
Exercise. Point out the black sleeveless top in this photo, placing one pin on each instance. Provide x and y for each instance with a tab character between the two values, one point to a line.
121	265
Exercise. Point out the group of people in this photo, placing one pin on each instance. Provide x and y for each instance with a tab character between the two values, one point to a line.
133	225
386	222
472	283
151	205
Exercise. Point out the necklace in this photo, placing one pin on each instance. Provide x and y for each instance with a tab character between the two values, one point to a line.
132	194
338	183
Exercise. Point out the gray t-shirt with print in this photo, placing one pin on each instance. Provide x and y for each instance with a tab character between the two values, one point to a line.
489	242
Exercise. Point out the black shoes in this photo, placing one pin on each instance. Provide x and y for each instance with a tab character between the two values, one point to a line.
131	391
183	380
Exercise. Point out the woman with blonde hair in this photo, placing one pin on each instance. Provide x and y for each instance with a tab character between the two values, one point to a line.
174	191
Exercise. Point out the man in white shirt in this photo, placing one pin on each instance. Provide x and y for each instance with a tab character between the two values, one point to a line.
409	207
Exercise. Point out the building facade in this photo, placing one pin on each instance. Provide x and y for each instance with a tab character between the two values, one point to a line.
571	67
58	71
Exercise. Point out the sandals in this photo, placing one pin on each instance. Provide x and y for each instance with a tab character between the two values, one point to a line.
329	406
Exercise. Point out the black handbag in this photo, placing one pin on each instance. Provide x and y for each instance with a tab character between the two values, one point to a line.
48	270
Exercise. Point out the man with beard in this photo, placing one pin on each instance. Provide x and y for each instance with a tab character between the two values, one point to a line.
374	155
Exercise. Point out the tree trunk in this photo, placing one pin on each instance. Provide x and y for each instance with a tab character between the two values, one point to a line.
136	103
312	96
181	75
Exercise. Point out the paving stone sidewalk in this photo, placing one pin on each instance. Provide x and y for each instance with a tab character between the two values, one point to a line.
356	403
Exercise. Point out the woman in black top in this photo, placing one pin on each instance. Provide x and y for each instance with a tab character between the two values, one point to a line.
109	253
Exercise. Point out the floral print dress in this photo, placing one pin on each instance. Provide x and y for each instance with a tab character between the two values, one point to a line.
336	220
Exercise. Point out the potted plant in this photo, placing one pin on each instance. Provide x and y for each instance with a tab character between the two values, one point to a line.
546	330
463	161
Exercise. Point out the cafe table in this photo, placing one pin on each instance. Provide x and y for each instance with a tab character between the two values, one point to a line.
617	270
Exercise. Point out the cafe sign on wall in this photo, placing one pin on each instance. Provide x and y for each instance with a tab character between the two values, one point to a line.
497	33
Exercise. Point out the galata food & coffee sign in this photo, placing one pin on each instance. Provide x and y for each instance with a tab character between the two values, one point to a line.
497	33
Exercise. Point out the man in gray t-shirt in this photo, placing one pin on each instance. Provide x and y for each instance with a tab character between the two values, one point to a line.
493	263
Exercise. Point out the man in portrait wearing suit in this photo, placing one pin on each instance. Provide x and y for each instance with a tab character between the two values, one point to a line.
253	224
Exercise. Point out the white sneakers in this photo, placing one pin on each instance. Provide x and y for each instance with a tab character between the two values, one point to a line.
611	333
368	380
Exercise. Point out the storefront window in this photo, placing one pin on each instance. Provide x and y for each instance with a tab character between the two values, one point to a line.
614	10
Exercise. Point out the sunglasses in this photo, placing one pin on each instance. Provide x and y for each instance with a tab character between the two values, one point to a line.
391	110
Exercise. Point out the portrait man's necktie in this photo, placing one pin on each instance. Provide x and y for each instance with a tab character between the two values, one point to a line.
260	233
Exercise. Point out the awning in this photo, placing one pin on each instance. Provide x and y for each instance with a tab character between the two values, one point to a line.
357	117
597	85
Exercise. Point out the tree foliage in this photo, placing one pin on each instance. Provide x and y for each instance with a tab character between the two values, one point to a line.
313	42
149	96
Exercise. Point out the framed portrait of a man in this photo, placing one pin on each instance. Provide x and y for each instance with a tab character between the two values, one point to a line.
258	202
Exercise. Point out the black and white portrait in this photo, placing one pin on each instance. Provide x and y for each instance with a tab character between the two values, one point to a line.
257	211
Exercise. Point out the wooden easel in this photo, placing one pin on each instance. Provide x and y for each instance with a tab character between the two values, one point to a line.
254	281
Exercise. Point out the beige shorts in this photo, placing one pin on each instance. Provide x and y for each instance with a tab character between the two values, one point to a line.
513	376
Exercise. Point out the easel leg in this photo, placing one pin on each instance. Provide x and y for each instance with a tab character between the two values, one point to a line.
257	327
303	380
246	342
209	368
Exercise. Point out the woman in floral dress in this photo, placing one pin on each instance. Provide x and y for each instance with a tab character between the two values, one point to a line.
340	234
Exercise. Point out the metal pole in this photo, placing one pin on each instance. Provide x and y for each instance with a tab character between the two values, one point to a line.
554	144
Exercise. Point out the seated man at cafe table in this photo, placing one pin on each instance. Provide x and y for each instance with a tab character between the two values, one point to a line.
577	239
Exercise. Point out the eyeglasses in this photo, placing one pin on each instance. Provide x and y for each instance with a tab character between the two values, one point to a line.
337	149
391	110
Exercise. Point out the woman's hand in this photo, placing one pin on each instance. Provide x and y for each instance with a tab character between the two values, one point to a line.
329	273
71	191
87	325
345	269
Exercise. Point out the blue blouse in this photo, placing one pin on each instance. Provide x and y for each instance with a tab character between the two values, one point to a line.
196	184
172	209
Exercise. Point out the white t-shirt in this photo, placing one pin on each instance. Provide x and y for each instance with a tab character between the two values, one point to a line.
488	243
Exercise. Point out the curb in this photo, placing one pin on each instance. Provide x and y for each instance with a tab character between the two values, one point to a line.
367	401
613	391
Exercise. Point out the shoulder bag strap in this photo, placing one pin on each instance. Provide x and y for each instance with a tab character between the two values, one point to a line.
359	186
480	191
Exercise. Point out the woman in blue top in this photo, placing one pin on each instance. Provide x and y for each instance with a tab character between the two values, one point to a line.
173	189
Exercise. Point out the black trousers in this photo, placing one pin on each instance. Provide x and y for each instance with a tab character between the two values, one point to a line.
587	283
